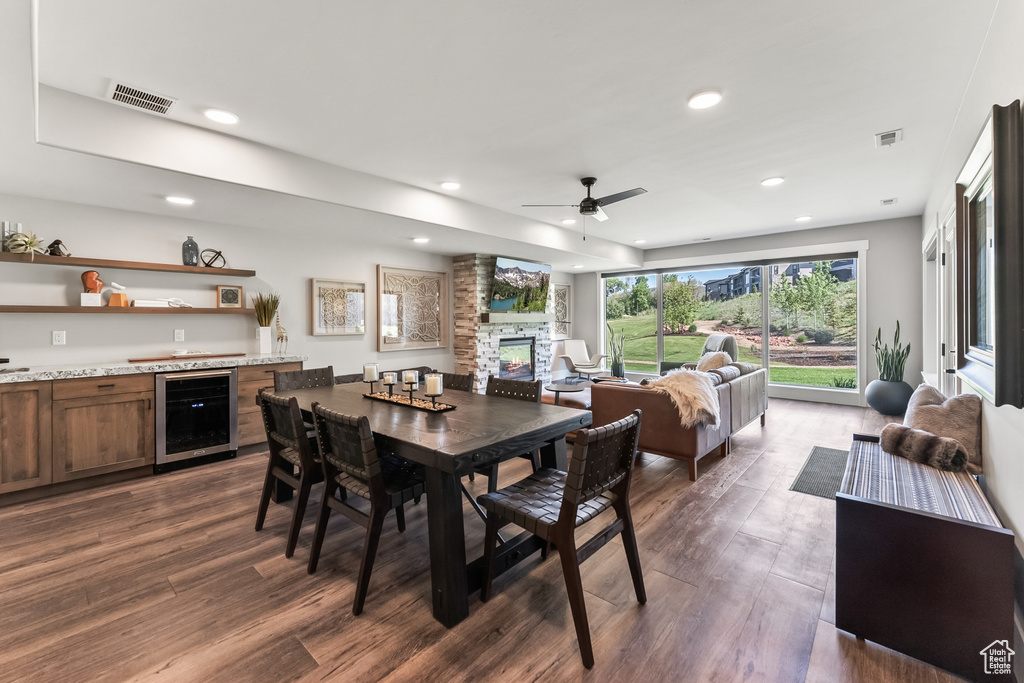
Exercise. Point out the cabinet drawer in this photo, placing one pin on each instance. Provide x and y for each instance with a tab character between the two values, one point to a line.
249	373
101	386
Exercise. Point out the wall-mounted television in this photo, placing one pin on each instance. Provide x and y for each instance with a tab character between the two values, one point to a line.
520	285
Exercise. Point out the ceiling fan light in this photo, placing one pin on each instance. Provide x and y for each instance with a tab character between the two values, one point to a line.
704	99
569	221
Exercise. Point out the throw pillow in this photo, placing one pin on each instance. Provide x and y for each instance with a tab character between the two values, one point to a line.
913	444
713	361
957	418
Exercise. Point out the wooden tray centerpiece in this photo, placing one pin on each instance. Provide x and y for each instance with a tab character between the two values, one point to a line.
418	403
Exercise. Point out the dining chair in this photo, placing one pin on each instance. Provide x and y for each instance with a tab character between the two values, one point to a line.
350	461
577	360
458	382
521	391
552	504
293	459
304	379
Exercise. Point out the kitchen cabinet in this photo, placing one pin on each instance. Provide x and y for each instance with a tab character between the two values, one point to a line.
25	445
252	378
102	424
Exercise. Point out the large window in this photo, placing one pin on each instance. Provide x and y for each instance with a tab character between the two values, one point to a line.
811	325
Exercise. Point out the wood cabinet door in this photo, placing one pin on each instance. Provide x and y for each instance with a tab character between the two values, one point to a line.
251	379
25	435
100	434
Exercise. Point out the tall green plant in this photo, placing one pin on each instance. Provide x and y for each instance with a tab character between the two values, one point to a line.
265	306
615	342
891	362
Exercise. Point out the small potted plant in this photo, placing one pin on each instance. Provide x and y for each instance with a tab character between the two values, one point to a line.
615	343
889	394
265	306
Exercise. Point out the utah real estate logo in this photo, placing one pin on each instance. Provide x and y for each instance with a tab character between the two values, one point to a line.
998	658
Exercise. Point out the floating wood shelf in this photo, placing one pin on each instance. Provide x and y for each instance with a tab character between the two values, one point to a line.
130	310
47	260
494	317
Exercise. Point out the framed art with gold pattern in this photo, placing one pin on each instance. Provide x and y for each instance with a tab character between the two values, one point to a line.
339	307
412	309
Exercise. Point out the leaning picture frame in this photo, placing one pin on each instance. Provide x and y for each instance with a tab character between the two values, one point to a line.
229	296
412	309
338	307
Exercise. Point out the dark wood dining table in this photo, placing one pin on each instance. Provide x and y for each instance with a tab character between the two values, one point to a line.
480	431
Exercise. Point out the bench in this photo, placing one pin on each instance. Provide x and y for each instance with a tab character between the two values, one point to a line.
923	565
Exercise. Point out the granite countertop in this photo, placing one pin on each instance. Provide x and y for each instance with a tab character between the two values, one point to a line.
48	372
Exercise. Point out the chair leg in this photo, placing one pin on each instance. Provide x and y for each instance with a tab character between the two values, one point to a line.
629	545
400	517
574	587
492	479
305	484
373	529
268	486
490	543
762	419
535	460
321	525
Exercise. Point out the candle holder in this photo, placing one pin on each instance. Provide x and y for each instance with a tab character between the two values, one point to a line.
411	387
371	383
390	380
435	387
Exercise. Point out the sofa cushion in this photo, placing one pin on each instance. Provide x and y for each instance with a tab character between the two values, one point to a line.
745	368
957	418
713	361
727	373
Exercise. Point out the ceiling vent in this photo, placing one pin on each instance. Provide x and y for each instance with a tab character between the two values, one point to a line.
137	98
888	139
888	202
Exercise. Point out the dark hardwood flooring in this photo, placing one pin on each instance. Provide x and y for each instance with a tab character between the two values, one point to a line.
165	579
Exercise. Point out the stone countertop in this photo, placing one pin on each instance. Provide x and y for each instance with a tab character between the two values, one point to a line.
42	373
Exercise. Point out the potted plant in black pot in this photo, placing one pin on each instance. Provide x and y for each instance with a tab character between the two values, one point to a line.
615	343
889	394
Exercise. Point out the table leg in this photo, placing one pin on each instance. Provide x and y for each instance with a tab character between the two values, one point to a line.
553	454
448	585
557	393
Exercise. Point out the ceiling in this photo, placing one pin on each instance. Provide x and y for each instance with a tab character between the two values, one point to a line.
517	101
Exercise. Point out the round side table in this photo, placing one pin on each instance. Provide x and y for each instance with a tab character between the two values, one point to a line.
562	388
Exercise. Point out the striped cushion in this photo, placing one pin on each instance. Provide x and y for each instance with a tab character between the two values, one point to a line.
873	474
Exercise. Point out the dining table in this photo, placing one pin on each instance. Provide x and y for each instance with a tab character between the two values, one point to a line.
481	430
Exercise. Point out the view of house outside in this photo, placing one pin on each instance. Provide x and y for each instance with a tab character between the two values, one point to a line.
812	326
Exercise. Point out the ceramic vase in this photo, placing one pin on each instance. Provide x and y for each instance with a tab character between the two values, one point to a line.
618	369
888	398
266	339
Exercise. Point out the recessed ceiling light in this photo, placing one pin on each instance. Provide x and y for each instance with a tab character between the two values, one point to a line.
420	240
569	221
769	182
577	266
183	201
704	99
221	116
450	185
802	219
639	241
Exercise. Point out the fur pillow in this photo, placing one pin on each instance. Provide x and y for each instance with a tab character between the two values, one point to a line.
913	444
713	361
957	418
694	395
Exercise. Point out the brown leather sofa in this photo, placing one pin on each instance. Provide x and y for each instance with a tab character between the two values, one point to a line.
742	396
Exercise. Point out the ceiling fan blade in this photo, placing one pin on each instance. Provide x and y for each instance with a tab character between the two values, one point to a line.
600	215
572	205
612	198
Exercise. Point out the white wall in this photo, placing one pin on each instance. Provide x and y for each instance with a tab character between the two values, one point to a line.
284	262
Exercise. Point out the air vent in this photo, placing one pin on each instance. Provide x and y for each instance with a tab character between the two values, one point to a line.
137	98
888	202
888	139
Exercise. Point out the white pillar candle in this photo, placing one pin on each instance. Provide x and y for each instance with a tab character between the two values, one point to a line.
370	372
410	377
434	386
390	378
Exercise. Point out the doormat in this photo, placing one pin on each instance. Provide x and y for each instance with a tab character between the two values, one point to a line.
822	474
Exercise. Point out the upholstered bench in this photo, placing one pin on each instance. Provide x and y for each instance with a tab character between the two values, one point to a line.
923	565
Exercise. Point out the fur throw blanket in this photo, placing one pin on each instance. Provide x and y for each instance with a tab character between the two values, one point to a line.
939	452
693	393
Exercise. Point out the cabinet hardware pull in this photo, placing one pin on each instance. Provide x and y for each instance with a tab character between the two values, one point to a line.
105	386
149	404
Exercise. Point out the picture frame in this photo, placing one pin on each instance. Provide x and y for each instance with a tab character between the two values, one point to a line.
229	296
337	307
412	309
562	296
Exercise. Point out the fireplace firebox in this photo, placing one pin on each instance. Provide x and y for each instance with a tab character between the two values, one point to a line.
517	358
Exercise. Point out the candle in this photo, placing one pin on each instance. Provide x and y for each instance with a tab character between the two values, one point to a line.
390	378
370	372
411	377
434	386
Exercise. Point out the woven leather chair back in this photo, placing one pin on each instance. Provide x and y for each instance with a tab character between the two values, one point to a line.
347	443
602	458
282	420
513	388
304	379
457	382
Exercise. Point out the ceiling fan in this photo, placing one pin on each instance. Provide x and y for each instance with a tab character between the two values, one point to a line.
591	206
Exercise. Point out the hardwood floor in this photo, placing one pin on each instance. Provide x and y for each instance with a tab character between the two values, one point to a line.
165	578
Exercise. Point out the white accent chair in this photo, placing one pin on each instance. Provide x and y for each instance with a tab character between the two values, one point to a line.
579	361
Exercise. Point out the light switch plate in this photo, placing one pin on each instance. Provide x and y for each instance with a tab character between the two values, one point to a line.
179	335
59	338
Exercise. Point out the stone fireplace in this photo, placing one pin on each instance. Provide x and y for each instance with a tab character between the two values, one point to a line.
479	332
517	358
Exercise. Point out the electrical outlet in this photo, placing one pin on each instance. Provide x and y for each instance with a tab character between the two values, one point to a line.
179	335
59	338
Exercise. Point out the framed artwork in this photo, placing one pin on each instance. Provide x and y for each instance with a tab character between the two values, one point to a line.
412	309
338	307
229	296
563	311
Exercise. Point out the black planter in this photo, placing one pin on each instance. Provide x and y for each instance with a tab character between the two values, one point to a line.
888	398
618	369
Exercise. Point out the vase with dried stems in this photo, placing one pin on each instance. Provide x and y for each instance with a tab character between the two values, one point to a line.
265	306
